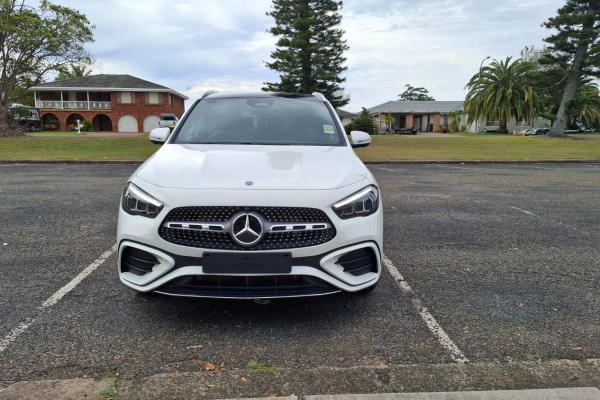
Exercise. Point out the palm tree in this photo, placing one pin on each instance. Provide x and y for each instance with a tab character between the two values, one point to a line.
585	107
502	90
73	71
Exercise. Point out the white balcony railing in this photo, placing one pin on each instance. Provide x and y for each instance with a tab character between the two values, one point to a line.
73	105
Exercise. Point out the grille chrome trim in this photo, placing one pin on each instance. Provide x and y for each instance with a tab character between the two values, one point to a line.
195	226
269	227
212	227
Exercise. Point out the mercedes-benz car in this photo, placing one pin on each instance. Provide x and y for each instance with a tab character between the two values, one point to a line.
252	196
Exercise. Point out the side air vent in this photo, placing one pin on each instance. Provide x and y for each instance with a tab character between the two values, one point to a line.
359	262
136	261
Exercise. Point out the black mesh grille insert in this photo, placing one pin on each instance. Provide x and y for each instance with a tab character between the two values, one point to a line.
223	241
359	262
247	286
136	261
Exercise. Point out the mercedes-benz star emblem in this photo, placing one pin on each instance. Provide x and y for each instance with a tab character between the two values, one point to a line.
247	229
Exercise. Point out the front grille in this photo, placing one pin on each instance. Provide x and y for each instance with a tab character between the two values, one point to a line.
247	287
204	227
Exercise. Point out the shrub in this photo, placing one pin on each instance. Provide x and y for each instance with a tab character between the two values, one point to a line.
364	122
87	125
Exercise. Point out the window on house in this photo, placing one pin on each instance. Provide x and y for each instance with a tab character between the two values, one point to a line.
125	97
153	98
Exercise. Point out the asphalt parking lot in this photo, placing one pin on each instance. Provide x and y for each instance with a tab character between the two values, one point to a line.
495	264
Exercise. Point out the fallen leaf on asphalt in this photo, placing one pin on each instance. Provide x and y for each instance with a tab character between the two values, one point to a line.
209	367
244	379
577	348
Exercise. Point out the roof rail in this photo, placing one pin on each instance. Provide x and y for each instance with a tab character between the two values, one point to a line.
208	93
319	95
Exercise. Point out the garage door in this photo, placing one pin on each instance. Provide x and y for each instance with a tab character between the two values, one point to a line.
127	123
151	122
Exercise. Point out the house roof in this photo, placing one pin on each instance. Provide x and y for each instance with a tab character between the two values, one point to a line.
417	107
343	113
105	83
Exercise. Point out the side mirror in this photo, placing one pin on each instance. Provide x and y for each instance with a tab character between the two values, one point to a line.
159	135
360	139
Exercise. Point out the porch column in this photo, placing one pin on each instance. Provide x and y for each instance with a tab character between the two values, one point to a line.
409	121
436	122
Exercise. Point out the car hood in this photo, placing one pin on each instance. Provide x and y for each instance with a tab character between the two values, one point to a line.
252	167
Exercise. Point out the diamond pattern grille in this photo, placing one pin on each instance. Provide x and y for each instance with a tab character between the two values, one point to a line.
223	241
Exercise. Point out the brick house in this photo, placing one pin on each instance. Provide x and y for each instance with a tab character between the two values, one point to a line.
426	116
117	103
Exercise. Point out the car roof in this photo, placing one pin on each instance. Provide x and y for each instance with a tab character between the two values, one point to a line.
215	94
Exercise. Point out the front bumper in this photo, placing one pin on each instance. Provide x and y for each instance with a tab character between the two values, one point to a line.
347	260
350	269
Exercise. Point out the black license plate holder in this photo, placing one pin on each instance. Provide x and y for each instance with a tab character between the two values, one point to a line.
247	263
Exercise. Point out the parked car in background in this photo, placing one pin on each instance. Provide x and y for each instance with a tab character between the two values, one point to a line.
578	127
406	131
252	196
168	121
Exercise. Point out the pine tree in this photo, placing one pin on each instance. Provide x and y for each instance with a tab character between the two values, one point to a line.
576	44
415	94
310	51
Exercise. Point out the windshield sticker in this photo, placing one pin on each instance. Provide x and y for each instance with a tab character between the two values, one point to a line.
328	129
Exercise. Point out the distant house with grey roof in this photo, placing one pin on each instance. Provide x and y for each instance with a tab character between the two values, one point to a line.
121	103
431	116
345	116
426	116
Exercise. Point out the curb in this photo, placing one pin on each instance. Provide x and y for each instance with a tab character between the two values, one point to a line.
556	379
371	162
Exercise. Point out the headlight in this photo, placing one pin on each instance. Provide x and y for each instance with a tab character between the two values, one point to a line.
137	202
360	204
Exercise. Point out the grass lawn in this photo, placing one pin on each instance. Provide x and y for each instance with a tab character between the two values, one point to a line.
40	147
481	148
54	146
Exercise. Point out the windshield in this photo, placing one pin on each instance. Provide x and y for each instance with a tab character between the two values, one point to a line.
260	120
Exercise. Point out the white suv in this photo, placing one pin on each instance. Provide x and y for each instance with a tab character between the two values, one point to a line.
253	196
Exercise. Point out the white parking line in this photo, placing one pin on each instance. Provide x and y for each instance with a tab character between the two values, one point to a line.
430	321
524	211
52	300
570	227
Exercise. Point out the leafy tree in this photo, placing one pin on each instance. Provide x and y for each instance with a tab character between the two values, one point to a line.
364	122
415	94
389	122
36	41
310	51
546	79
456	119
502	90
576	45
73	71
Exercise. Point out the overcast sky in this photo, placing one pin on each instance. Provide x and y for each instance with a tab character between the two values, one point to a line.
196	45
